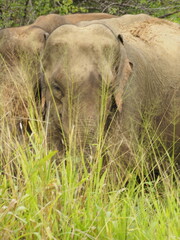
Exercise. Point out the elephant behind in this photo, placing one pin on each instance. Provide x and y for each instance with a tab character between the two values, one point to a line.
112	75
51	21
20	49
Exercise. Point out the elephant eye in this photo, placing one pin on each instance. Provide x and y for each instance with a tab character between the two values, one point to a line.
55	87
57	91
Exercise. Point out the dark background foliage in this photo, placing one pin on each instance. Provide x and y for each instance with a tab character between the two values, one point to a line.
22	12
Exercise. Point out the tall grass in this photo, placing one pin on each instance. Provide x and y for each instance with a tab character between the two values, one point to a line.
40	199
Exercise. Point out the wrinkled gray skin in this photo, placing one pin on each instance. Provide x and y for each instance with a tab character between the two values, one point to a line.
141	73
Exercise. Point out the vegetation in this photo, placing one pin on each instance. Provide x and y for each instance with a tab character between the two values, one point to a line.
45	196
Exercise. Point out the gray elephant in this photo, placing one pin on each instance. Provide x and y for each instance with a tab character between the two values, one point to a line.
28	42
32	38
20	48
113	75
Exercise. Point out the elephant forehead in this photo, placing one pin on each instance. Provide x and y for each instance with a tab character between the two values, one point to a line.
96	34
84	76
77	73
79	51
78	64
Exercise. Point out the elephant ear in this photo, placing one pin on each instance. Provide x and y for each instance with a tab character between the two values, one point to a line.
123	74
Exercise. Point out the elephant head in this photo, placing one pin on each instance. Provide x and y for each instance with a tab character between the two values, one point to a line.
28	40
20	49
86	71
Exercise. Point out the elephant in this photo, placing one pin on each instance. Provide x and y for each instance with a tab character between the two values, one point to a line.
29	40
103	79
20	49
33	37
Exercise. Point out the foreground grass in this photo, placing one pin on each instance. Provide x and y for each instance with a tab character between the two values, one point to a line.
42	200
